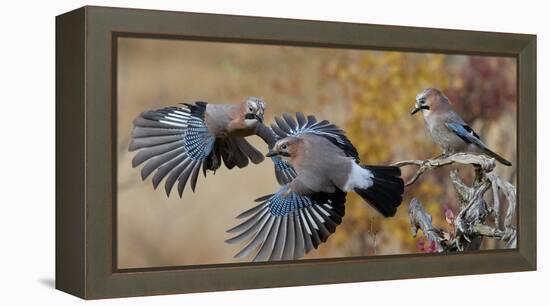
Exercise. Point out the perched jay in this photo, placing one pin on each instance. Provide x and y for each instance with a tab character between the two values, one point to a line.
178	141
319	165
446	127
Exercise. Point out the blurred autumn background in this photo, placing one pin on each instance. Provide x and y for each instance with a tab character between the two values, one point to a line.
367	93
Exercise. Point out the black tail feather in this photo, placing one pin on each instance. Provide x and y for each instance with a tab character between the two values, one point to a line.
501	159
386	193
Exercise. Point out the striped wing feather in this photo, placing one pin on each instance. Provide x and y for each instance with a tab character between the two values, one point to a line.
173	143
286	225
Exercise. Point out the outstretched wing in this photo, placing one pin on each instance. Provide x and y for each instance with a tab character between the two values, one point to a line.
287	225
175	142
286	126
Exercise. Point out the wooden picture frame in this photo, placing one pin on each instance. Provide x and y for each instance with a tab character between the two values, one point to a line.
86	157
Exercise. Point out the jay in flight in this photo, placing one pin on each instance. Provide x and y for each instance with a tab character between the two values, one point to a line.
446	127
316	165
177	141
314	162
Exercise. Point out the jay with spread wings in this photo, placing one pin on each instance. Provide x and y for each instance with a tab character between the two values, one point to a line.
177	141
316	165
314	162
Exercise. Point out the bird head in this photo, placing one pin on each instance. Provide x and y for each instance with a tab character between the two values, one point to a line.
287	148
430	100
253	111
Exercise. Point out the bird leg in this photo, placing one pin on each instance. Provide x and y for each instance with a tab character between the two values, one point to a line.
215	163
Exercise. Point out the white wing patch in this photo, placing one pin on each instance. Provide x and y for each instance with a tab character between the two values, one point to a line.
359	177
177	118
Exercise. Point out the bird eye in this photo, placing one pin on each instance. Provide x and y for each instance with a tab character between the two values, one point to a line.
283	147
250	109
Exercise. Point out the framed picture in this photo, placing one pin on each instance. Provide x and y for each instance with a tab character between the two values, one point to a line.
347	152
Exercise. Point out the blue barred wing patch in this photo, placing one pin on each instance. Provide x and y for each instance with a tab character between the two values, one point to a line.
198	139
281	204
287	225
172	142
284	172
465	133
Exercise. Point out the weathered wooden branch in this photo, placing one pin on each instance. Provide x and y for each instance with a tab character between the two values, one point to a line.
486	163
420	219
470	225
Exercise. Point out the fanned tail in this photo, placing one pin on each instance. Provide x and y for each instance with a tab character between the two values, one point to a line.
386	192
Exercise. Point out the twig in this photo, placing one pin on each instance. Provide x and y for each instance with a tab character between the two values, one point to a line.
470	226
485	163
420	219
509	191
374	233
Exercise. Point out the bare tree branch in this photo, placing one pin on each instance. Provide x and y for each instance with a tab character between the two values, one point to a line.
420	219
486	163
470	225
509	192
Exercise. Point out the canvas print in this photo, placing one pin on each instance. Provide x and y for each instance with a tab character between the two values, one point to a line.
239	152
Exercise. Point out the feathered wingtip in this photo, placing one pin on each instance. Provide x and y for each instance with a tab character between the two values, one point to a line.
163	139
284	227
287	125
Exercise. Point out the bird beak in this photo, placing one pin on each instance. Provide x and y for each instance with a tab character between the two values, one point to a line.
272	153
258	116
418	107
415	110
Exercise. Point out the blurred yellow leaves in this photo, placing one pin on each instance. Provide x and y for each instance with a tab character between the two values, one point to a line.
367	93
381	88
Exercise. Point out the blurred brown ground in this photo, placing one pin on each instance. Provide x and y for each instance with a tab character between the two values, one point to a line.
368	93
